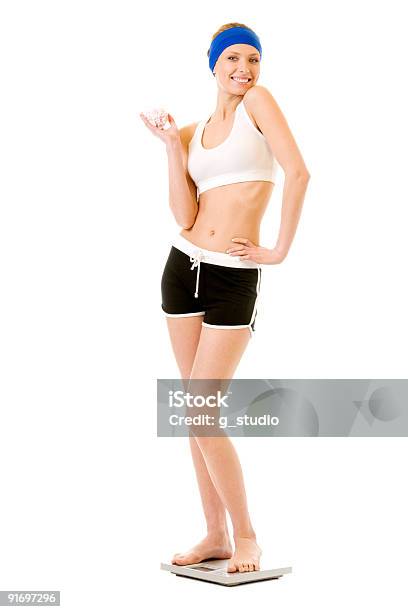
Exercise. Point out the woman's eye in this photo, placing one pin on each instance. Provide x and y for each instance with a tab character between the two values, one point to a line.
232	57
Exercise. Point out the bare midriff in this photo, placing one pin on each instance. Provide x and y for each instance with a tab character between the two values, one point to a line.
229	211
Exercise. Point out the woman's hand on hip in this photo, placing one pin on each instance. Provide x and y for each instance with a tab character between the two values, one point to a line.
248	250
168	136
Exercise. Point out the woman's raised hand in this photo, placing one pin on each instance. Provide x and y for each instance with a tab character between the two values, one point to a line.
167	136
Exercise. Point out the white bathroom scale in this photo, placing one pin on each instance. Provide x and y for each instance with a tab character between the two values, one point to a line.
216	571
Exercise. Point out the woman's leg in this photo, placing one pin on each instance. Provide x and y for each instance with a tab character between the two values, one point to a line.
218	354
185	335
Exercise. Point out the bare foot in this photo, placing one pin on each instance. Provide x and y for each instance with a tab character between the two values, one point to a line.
211	547
246	556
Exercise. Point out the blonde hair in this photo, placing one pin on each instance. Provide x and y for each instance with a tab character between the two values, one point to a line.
227	26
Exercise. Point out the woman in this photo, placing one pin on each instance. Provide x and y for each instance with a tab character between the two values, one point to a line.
221	176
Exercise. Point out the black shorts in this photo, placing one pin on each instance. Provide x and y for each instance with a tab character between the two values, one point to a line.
220	287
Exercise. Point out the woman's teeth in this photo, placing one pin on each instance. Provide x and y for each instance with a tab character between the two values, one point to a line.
240	80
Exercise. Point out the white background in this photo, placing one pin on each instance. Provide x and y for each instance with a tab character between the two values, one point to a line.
91	501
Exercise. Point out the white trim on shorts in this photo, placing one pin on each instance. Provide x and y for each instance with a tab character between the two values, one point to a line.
225	326
188	314
256	301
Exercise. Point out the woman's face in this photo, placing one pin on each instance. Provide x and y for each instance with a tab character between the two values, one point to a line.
238	62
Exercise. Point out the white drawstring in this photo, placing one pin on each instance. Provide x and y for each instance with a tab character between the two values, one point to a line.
196	259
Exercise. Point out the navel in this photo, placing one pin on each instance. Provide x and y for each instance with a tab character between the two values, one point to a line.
212	232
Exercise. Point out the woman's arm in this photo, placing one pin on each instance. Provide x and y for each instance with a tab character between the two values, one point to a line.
274	126
294	191
182	189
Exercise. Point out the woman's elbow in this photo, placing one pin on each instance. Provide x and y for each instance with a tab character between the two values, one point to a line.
301	176
186	226
187	223
298	173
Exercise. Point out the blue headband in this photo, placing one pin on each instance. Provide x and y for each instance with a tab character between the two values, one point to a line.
232	36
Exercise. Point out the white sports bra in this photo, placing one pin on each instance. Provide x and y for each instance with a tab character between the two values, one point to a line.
245	155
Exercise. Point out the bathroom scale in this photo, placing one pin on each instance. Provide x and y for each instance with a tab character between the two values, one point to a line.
216	571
